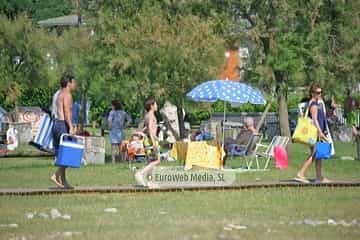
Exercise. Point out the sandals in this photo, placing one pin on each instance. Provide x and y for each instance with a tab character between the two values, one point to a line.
323	180
301	179
55	180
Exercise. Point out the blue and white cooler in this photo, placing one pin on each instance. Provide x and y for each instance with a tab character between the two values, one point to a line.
71	151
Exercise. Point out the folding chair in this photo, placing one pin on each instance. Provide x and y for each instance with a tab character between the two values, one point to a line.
267	151
246	152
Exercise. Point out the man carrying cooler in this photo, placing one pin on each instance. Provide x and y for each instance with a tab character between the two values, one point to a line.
63	123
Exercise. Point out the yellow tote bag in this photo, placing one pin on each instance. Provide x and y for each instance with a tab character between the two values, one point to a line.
305	131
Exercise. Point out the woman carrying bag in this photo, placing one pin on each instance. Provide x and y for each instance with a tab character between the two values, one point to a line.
317	114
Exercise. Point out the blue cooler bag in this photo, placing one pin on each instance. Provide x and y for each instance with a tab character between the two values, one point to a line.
70	151
322	150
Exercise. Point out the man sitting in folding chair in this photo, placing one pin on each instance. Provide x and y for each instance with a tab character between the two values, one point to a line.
243	144
238	145
249	151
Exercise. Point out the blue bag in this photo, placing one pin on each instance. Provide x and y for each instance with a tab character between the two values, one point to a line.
322	150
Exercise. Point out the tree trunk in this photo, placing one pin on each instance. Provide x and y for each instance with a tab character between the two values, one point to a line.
181	121
283	116
281	90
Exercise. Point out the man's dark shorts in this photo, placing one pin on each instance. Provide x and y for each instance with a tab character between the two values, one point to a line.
60	127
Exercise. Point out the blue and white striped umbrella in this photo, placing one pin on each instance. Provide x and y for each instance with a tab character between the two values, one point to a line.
225	90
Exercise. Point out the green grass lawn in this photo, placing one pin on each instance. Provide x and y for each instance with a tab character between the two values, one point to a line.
35	172
266	213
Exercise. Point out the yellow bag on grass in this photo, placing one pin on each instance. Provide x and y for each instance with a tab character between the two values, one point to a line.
305	131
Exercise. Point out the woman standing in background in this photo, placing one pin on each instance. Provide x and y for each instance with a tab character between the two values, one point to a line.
117	119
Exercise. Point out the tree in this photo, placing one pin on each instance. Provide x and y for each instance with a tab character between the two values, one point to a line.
24	48
44	9
36	9
297	43
75	52
154	54
15	7
342	45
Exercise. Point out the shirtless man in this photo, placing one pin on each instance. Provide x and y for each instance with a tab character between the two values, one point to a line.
63	123
151	141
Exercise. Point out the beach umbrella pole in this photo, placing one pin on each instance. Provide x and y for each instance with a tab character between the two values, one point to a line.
223	126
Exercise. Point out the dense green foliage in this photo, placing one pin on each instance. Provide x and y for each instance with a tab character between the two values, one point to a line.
23	57
299	42
36	9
